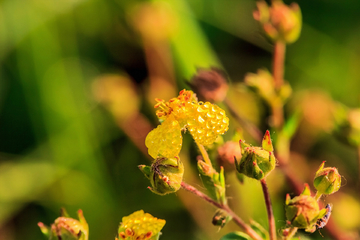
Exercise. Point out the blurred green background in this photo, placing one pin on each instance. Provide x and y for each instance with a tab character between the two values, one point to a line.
78	82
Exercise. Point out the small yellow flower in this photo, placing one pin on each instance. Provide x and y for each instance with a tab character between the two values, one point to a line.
165	140
140	226
205	122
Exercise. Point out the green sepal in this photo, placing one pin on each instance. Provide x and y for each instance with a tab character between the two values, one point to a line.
213	181
64	213
240	177
320	168
306	190
44	229
236	236
266	142
146	170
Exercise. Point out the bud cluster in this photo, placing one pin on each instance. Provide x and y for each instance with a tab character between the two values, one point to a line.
303	211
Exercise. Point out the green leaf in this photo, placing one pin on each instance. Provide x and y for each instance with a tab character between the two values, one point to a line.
236	236
258	228
292	124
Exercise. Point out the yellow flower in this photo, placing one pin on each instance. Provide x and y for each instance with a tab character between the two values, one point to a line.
140	226
205	122
165	140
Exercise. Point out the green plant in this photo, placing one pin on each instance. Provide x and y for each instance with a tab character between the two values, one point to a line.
206	121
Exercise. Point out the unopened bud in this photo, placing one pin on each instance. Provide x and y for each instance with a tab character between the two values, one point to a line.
210	84
302	211
67	228
280	22
165	175
256	162
220	218
327	180
226	154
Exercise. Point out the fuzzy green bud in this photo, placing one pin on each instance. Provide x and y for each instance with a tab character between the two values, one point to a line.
165	175
67	228
327	180
302	211
220	218
256	162
279	21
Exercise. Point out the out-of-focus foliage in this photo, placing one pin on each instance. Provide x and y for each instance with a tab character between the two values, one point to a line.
77	82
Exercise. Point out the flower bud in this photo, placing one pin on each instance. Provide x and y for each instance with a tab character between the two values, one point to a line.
256	162
210	84
140	225
327	180
67	228
220	218
302	211
226	154
280	22
165	175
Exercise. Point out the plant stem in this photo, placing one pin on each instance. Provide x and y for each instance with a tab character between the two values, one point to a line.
204	154
278	75
317	196
278	63
358	155
272	227
292	232
224	207
248	126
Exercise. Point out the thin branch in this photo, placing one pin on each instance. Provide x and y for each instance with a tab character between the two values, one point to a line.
278	75
272	227
235	217
278	63
317	196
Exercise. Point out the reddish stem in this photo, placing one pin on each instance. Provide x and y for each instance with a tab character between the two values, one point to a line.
278	63
272	227
235	217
